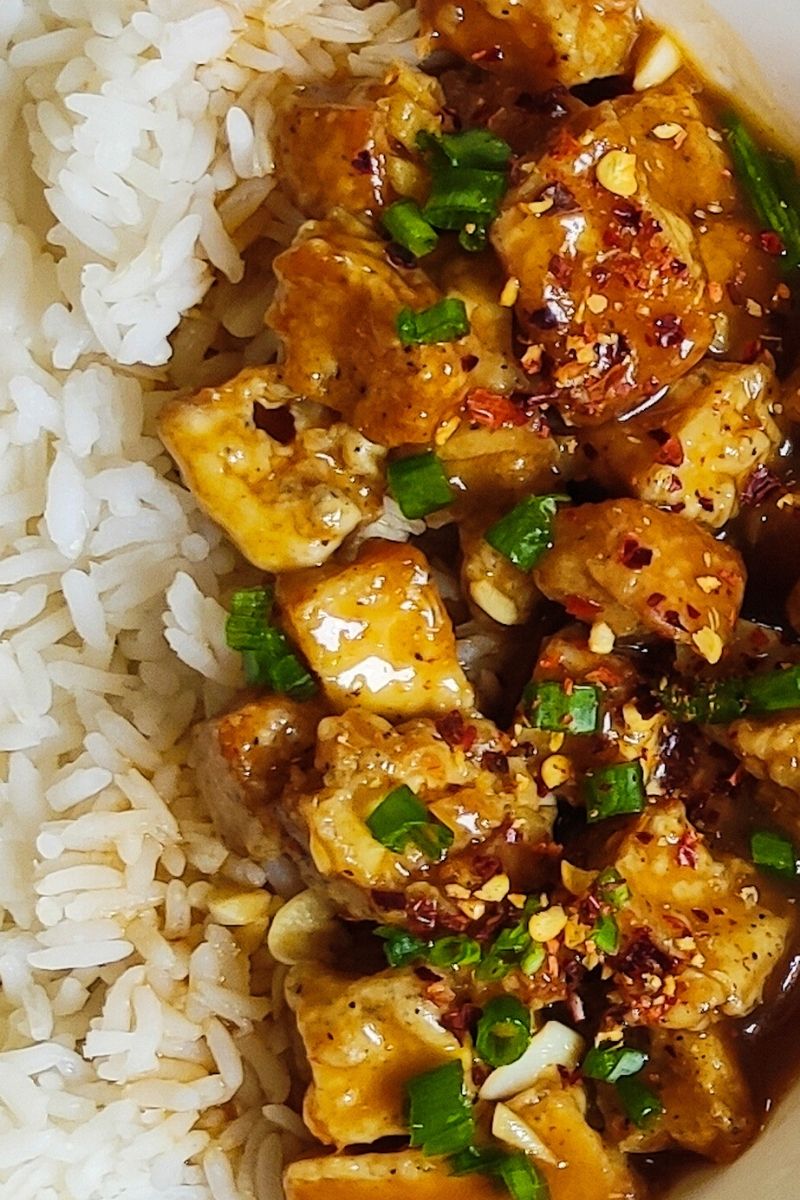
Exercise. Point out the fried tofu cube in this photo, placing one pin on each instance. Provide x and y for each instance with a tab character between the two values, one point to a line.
336	308
364	1039
408	1173
288	500
696	449
638	569
696	920
376	632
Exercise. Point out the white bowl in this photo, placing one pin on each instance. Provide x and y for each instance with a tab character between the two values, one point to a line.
751	50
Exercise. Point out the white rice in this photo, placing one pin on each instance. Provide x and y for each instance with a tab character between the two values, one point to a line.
142	1052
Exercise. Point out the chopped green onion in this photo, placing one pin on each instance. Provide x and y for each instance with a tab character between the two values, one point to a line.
774	691
641	1105
445	321
613	1063
532	959
401	947
552	707
440	1113
613	889
473	148
473	237
405	224
724	701
769	184
419	484
526	532
614	791
455	951
504	953
774	853
476	1159
401	818
504	1031
605	934
521	1177
248	620
463	195
267	656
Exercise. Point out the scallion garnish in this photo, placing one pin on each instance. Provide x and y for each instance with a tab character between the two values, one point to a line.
612	888
613	1063
526	532
445	321
461	195
439	1110
605	934
724	701
774	853
406	226
400	946
504	952
419	484
504	1031
455	951
522	1179
558	709
532	959
641	1105
771	183
401	819
614	791
472	148
267	656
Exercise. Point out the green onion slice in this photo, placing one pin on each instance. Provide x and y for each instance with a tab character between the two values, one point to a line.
504	1031
641	1105
474	236
522	1178
401	947
455	951
526	532
613	1063
405	224
774	853
247	622
505	952
461	195
419	484
439	1110
724	701
614	791
553	707
613	889
532	959
770	182
472	148
605	934
445	321
401	818
267	656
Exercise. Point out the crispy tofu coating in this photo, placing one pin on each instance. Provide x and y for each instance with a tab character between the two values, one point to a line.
288	498
376	632
698	939
695	451
544	40
346	353
613	296
243	759
640	570
406	1173
364	1039
361	758
768	747
357	151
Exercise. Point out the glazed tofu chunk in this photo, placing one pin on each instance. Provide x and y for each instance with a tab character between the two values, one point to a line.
697	939
768	747
287	498
242	762
364	1039
357	152
708	1108
407	1174
376	632
549	41
638	569
336	309
580	1163
695	451
613	296
450	766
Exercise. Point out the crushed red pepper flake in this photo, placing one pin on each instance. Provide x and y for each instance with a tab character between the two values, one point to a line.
493	410
634	555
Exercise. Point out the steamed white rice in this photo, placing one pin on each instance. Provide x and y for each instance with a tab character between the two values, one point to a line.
141	1048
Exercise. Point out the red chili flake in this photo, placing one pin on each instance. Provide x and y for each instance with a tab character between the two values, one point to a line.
495	761
493	54
701	915
668	331
771	243
426	975
277	423
678	267
670	452
388	901
462	1020
643	957
456	922
493	410
362	163
761	484
563	199
634	555
627	215
469	362
693	612
655	598
485	866
686	853
561	269
582	608
672	618
453	729
706	503
422	914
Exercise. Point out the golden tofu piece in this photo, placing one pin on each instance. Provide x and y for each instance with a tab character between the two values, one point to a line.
638	569
286	501
695	450
768	747
583	1164
495	468
365	1038
362	758
698	920
407	1173
336	309
549	41
242	761
376	632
